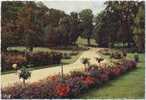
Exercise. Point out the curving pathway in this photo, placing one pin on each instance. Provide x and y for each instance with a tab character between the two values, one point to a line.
11	79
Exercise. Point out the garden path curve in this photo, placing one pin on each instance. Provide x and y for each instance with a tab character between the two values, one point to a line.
11	79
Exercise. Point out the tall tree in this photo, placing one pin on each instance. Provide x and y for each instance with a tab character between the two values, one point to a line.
9	34
86	18
124	11
75	30
115	22
138	28
65	27
31	26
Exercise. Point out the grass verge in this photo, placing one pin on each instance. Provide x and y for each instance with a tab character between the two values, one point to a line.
129	85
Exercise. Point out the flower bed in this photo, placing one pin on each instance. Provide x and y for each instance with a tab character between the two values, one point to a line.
34	59
73	85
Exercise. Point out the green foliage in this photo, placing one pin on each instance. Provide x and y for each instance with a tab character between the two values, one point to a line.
136	57
86	18
98	59
24	74
34	59
116	55
114	24
85	60
9	36
67	56
41	26
138	28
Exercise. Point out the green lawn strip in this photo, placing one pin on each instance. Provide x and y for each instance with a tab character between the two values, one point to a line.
36	49
72	60
129	85
83	42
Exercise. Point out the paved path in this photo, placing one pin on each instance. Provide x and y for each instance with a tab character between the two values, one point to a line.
11	79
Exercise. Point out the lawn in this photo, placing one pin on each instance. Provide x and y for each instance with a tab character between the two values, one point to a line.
83	42
130	85
36	49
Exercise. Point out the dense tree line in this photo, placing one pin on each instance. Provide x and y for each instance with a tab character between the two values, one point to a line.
121	22
33	24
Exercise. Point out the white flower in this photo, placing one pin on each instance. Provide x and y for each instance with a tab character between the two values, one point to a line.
14	66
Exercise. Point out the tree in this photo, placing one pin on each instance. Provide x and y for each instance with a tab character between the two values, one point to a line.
124	11
18	30
52	35
28	25
9	34
115	22
99	60
86	62
65	27
24	74
138	28
74	30
86	17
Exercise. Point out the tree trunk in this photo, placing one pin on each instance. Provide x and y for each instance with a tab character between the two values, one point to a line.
62	77
24	83
85	67
4	48
30	49
88	41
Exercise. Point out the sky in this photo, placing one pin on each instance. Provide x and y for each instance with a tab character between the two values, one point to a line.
76	5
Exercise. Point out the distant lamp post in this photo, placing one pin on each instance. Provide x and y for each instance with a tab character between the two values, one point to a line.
62	77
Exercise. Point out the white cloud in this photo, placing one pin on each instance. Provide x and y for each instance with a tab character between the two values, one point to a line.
77	6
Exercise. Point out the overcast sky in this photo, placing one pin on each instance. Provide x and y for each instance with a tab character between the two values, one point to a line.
72	5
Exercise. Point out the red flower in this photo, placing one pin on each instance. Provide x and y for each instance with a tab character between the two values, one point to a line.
103	77
89	80
62	89
116	71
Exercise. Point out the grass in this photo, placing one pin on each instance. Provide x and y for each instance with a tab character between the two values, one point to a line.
130	85
72	60
36	49
83	42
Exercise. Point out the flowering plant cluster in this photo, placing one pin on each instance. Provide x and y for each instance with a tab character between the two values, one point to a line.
36	59
73	84
62	89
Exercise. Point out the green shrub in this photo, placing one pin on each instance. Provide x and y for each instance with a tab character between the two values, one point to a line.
24	74
66	56
116	55
74	52
33	59
136	57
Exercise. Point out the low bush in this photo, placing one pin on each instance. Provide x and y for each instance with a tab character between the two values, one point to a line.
8	59
74	53
34	59
74	85
136	57
66	56
116	55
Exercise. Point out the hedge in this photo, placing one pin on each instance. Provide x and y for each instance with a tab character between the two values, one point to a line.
34	59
